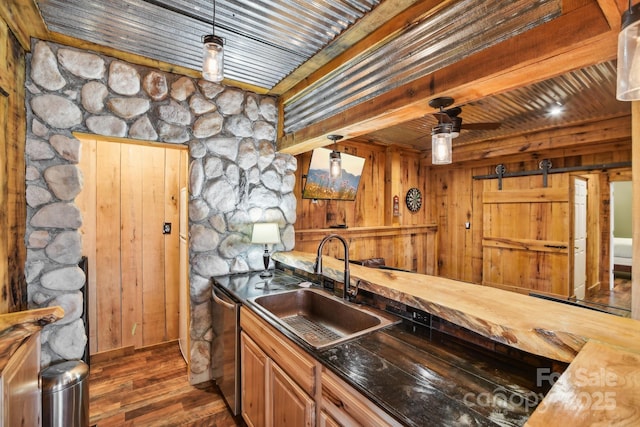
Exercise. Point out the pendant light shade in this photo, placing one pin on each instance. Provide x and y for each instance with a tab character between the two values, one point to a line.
442	133
213	62
335	160
335	164
213	54
441	144
628	88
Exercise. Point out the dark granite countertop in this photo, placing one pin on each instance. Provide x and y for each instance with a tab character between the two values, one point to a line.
417	374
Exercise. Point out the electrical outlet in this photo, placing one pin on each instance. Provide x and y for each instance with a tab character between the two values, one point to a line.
467	225
166	228
421	317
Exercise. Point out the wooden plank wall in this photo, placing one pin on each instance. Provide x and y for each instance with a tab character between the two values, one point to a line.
406	241
408	247
457	196
133	267
13	287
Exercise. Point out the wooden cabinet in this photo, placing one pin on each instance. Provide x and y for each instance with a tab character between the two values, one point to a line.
342	405
20	386
277	381
282	386
253	381
288	405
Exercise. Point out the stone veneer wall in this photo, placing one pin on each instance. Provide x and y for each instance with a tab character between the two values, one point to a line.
236	177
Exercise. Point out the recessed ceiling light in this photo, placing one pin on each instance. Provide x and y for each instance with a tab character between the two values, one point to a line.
556	110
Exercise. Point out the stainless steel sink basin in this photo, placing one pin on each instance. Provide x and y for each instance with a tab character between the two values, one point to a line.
320	319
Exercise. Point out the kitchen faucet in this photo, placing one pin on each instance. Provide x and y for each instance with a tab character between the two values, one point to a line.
318	265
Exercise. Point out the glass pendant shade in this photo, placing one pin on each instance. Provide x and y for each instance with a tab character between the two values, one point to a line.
213	59
629	56
441	146
335	164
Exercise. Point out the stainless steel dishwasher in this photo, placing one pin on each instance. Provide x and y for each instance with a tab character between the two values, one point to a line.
225	351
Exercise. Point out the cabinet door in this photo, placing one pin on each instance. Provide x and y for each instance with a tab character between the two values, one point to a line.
21	393
253	382
327	421
289	404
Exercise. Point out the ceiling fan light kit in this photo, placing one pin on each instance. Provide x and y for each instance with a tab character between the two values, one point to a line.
213	54
628	87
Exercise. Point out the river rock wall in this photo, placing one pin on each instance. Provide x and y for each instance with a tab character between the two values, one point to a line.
236	177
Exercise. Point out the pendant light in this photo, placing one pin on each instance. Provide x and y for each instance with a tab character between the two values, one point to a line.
441	136
213	54
629	55
335	161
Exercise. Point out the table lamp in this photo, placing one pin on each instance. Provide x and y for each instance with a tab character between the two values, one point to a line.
265	233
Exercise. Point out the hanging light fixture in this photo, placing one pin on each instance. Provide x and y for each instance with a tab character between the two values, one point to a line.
213	59
629	55
335	161
441	135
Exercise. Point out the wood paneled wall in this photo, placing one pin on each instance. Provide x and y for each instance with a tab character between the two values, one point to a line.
452	198
456	196
130	190
13	287
406	241
386	173
410	248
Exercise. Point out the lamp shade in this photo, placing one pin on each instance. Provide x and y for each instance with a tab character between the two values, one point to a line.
628	87
213	59
265	233
441	145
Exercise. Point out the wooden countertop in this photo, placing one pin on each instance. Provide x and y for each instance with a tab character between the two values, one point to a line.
17	327
599	346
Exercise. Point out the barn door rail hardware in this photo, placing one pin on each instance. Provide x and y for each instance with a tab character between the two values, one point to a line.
545	169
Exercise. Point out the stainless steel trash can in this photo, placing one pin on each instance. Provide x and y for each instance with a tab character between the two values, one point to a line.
65	395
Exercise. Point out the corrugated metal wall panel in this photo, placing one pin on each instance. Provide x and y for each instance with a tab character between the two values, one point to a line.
438	41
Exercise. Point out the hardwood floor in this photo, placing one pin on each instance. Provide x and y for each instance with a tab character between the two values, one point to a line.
615	301
149	387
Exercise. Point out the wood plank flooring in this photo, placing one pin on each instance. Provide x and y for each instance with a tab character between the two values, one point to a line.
615	301
149	387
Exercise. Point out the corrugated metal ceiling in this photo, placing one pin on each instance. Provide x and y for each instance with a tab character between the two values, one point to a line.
267	40
264	40
439	40
582	95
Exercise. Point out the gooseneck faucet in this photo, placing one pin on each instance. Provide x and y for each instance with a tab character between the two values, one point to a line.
318	265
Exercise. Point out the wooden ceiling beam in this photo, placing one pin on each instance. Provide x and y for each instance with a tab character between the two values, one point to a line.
562	138
24	20
580	37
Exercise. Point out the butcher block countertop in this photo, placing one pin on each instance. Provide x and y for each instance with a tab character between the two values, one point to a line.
602	383
15	328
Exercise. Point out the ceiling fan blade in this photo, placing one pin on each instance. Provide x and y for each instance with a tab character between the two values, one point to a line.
481	126
442	117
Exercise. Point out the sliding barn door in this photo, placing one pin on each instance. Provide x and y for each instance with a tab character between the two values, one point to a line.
526	232
130	192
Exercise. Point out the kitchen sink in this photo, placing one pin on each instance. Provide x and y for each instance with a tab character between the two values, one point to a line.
320	319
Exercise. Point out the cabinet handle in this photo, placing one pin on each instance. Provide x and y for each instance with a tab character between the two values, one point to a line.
219	301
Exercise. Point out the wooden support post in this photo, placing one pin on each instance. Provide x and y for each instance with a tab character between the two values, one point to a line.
635	224
392	186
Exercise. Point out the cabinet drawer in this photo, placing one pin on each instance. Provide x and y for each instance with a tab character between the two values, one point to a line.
299	366
347	407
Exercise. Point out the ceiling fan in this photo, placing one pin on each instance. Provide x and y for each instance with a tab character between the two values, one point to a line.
452	116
